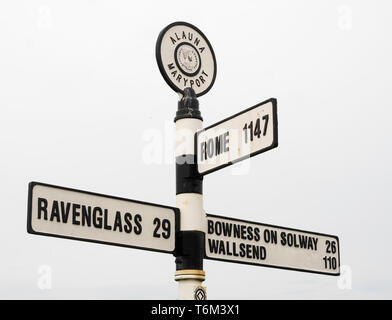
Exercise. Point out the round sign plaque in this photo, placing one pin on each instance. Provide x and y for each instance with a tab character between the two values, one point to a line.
185	58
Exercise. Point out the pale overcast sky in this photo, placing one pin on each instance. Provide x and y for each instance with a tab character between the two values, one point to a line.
80	90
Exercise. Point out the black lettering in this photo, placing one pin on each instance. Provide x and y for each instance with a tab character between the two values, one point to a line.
97	220
105	221
236	231
271	236
243	232
166	229
218	143
295	241
86	216
210	148
263	253
203	148
226	142
227	229
267	236
242	250
235	253
290	239
157	224
213	245
197	41
42	208
65	211
75	213
256	252
210	227
315	240
303	240
249	251
274	237
310	243
257	234
128	222
138	226
222	248
250	233
55	211
218	228
117	222
283	238
228	252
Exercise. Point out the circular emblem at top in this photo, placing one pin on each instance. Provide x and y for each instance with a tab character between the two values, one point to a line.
185	58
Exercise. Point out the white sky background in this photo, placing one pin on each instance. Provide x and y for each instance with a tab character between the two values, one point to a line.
79	87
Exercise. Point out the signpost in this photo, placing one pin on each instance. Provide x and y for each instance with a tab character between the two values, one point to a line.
244	135
81	215
241	241
187	62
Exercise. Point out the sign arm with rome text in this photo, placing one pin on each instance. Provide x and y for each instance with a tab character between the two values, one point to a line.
81	215
239	137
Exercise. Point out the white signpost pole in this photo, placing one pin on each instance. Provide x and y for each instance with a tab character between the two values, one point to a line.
187	62
189	199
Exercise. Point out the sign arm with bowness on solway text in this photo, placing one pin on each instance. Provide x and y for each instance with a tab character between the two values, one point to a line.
87	216
239	137
241	241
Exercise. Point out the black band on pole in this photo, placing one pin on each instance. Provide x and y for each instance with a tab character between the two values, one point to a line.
188	180
189	251
188	106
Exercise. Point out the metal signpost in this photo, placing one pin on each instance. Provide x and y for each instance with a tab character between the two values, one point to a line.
187	62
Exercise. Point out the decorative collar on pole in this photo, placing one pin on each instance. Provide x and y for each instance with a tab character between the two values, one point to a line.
188	106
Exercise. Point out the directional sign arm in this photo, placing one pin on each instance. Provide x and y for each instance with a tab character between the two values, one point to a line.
241	241
239	137
87	216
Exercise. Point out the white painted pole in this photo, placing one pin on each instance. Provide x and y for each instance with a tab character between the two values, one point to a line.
193	217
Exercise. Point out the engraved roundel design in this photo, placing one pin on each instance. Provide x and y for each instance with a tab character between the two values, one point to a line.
200	294
185	58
